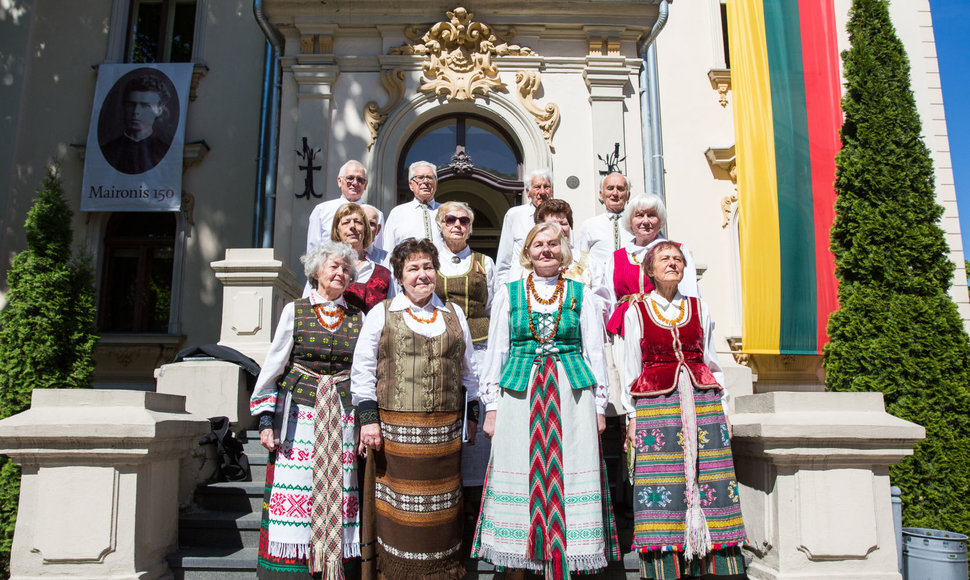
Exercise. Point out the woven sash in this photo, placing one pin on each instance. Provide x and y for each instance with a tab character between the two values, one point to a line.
697	536
326	515
547	502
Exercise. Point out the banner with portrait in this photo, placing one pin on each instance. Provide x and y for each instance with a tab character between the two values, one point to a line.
133	158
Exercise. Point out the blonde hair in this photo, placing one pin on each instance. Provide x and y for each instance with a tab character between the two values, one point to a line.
525	260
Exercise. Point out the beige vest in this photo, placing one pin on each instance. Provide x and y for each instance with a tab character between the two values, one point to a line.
416	373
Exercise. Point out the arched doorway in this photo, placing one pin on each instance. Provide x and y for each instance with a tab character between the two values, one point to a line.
478	162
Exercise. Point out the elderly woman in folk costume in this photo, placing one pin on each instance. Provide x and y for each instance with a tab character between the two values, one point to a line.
687	514
546	504
413	357
352	226
307	422
468	279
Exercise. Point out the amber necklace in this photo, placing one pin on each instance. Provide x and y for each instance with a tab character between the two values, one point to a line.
528	305
560	285
667	321
338	312
434	316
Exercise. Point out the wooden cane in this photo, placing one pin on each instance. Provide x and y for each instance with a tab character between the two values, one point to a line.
368	523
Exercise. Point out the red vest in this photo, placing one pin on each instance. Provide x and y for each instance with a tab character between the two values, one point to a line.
663	359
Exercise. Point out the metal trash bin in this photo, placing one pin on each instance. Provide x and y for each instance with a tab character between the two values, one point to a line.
934	555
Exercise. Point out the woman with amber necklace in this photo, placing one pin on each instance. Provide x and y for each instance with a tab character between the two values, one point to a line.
687	514
413	357
546	506
306	421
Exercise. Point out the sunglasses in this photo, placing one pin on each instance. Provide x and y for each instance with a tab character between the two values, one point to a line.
463	220
356	178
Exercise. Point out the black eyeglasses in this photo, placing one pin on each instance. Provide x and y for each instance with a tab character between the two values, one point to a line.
356	178
420	178
463	220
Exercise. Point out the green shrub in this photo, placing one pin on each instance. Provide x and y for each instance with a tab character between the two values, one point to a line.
47	334
897	331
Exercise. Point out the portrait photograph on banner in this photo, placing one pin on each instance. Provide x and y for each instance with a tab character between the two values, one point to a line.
133	158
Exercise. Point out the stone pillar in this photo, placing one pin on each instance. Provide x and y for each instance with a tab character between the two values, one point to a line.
608	78
211	388
256	286
813	469
98	495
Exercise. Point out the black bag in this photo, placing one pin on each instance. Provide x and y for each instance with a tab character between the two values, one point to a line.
233	463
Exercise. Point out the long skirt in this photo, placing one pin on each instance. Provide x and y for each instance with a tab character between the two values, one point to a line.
503	532
660	488
284	533
418	499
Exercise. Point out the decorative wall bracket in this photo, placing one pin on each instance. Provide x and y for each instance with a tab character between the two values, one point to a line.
374	116
546	117
459	56
724	166
721	82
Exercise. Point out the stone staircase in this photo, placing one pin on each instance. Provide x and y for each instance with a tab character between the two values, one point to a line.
218	539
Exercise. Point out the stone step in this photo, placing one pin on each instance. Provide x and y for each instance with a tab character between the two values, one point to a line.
232	496
220	530
213	564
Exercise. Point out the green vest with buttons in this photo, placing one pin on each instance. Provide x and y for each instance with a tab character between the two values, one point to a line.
523	346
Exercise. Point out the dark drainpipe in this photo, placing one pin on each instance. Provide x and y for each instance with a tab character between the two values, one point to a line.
653	156
269	132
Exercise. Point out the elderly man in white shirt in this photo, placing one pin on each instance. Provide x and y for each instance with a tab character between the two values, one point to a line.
375	219
352	181
416	218
603	234
517	224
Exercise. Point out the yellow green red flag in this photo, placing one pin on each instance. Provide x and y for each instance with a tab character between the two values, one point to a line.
786	84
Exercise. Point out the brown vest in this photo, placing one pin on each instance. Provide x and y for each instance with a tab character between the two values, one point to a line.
416	373
470	291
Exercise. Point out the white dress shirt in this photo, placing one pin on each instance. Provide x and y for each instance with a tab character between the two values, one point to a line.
598	235
321	219
363	375
632	356
687	287
591	329
518	221
411	220
450	268
265	392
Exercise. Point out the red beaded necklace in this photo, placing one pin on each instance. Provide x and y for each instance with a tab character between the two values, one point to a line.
528	305
320	312
434	316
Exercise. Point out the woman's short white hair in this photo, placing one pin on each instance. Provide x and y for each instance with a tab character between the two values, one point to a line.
644	202
449	206
525	260
542	174
428	164
319	255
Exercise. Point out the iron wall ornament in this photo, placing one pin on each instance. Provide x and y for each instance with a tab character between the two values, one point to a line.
459	51
612	161
461	162
308	155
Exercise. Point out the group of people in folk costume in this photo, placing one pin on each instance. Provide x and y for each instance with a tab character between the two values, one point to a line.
406	341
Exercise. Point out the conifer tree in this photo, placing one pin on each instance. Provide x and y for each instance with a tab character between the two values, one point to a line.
47	334
897	331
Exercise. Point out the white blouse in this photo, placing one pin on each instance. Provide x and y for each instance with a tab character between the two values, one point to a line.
263	399
363	374
633	332
450	268
591	328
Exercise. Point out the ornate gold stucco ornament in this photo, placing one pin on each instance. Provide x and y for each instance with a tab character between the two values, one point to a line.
374	116
548	117
459	56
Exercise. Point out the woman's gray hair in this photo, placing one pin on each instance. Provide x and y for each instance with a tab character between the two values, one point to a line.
428	164
525	260
448	206
543	174
319	255
644	202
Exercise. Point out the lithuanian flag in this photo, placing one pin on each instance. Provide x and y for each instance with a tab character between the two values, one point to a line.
786	84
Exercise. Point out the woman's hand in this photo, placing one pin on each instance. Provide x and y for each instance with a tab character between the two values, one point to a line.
730	427
489	427
631	432
370	437
472	430
600	423
270	439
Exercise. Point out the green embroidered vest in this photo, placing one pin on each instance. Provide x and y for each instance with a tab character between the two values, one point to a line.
523	346
417	373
